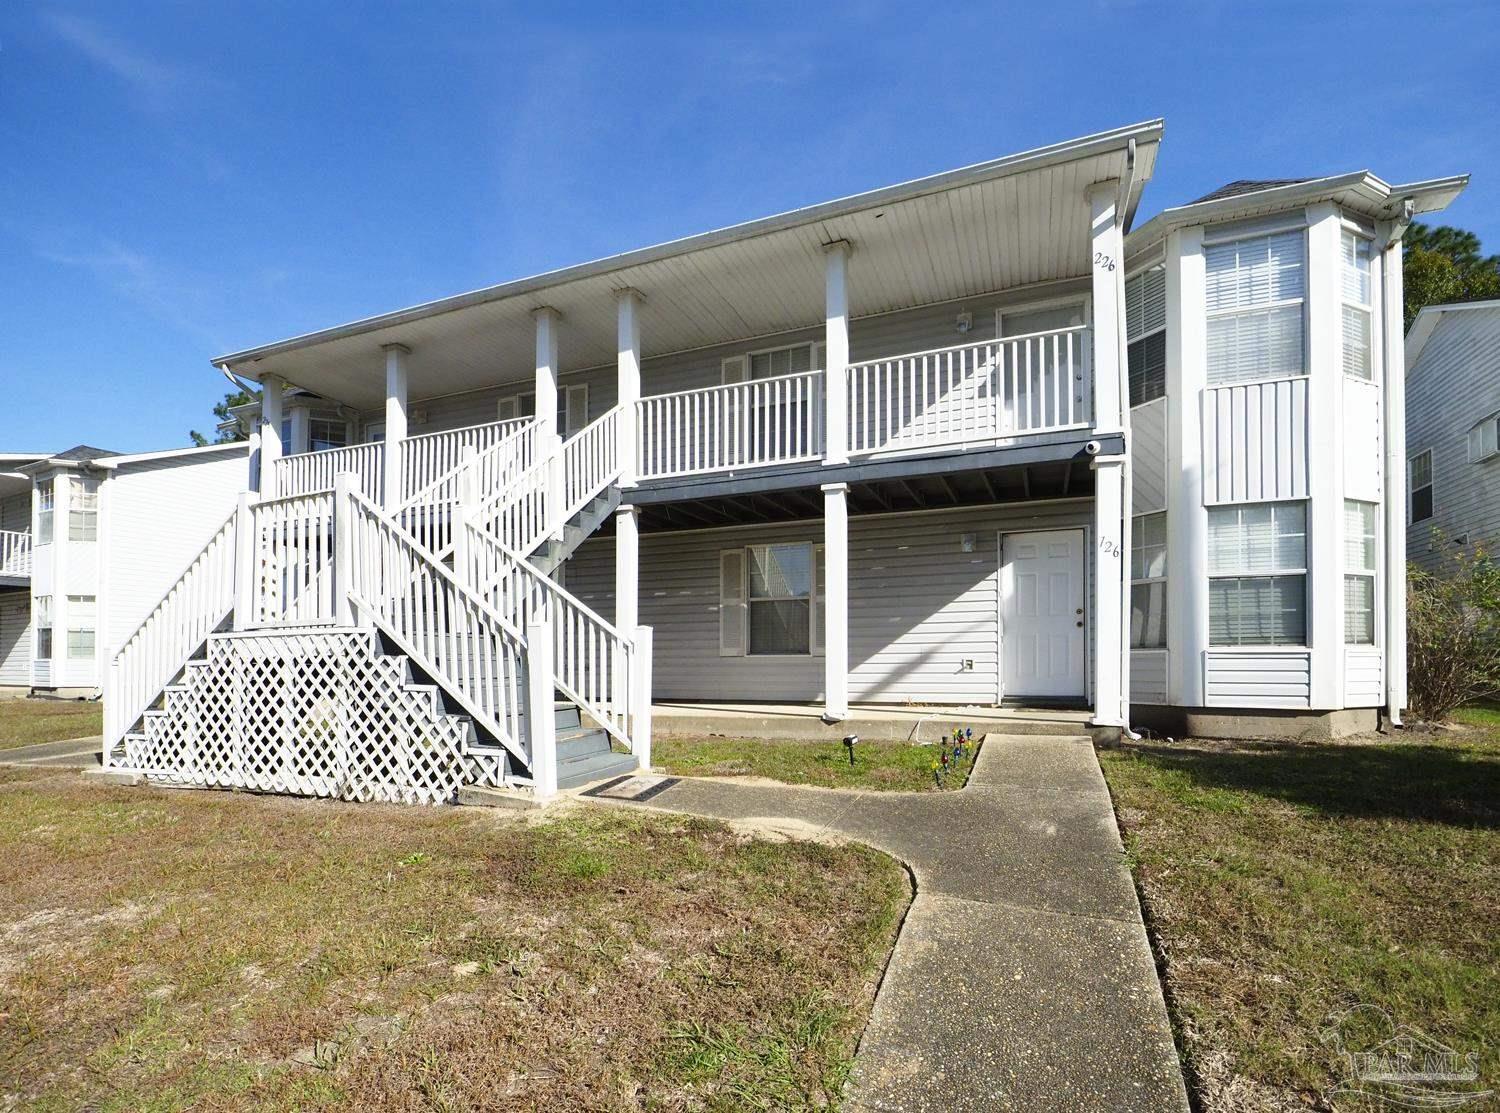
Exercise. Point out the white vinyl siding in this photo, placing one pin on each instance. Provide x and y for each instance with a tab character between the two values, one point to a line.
45	496
1256	290
1357	318
1148	581
1419	486
1257	565
15	644
1146	334
1359	572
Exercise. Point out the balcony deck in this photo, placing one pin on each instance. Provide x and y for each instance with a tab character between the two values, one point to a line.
15	558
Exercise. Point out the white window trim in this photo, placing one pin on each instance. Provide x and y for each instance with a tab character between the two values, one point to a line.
1430	485
46	512
1492	420
1273	574
1377	617
1083	301
1130	340
1365	307
814	603
1136	533
1266	307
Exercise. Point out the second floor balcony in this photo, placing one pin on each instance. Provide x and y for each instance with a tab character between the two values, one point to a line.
15	557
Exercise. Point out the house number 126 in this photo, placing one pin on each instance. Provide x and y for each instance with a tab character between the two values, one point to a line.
1109	547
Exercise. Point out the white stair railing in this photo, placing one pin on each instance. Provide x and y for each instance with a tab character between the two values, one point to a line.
594	664
431	460
428	513
447	630
194	607
291	562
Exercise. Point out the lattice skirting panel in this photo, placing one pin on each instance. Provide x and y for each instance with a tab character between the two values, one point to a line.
311	713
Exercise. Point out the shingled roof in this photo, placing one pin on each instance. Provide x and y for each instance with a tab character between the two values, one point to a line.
1247	185
84	452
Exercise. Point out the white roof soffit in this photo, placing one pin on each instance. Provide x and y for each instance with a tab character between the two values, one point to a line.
1427	320
1013	221
1360	191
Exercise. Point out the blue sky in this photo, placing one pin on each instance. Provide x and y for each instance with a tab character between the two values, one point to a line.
181	180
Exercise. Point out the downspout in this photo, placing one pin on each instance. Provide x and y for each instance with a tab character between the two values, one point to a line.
1395	462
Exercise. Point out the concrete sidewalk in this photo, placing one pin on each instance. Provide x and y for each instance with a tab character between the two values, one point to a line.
71	753
1022	977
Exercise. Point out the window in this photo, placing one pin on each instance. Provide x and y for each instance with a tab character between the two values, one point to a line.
1419	486
572	408
81	617
325	432
1148	581
1146	334
44	627
770	599
1255	292
791	360
44	506
1359	572
1357	316
1257	567
1482	439
83	510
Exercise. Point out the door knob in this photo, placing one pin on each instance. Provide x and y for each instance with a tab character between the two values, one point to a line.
1078	611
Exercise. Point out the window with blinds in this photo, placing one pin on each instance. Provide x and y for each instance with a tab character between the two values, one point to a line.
1148	581
1255	297
1357	314
1146	334
1359	572
1257	567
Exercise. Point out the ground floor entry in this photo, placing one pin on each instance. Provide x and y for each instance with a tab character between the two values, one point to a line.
972	605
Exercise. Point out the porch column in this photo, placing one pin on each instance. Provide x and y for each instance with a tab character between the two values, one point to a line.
1107	251
628	379
836	338
271	389
300	433
627	568
835	601
1111	645
547	320
395	421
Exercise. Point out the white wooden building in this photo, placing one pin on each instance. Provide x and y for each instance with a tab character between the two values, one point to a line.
966	439
1452	420
15	571
111	534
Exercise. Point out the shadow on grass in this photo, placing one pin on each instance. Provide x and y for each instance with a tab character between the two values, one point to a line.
1452	784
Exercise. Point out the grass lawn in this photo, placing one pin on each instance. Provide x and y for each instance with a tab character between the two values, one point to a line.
25	722
892	766
167	949
1285	885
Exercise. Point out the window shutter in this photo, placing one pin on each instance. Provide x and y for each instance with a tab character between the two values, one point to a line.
735	369
732	610
818	626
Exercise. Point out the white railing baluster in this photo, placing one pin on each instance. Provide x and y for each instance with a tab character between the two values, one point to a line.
15	553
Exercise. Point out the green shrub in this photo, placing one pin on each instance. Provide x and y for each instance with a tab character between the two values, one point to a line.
1453	634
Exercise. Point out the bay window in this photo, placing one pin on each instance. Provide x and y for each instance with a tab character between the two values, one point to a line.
1357	314
1146	334
1257	566
44	509
1256	290
82	611
1359	572
1148	581
83	509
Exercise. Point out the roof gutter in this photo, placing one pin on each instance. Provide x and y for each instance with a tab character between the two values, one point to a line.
1039	158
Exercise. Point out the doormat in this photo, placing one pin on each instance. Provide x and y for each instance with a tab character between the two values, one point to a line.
637	788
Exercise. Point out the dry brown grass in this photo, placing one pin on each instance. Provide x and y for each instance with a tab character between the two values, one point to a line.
26	722
167	949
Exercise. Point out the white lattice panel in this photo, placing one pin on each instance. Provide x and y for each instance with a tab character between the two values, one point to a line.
311	713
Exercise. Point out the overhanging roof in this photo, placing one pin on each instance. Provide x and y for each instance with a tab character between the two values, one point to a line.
1013	221
1360	192
1427	320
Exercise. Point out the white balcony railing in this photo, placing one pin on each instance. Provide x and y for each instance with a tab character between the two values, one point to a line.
737	425
995	389
307	473
15	553
431	456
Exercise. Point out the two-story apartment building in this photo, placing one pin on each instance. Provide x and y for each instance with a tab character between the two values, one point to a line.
15	571
967	439
1452	420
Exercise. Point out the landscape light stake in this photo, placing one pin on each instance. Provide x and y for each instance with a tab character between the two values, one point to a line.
849	741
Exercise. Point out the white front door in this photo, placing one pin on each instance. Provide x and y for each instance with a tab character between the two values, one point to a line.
1041	614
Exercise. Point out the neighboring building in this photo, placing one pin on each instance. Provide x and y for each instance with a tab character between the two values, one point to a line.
1452	417
15	571
958	440
112	533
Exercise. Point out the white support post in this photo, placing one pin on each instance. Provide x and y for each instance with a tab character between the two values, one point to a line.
252	479
1325	457
1107	256
1187	518
1394	387
1111	646
244	559
628	381
344	485
541	718
641	728
627	567
299	431
835	601
271	388
547	320
395	423
463	512
836	340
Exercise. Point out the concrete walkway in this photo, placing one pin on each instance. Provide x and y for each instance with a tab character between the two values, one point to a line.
1022	978
71	753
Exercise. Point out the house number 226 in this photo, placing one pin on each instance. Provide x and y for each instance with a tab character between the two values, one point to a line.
1104	261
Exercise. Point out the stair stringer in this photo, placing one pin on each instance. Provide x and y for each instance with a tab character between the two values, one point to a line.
311	712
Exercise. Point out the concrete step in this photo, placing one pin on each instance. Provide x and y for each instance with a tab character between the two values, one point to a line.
595	767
